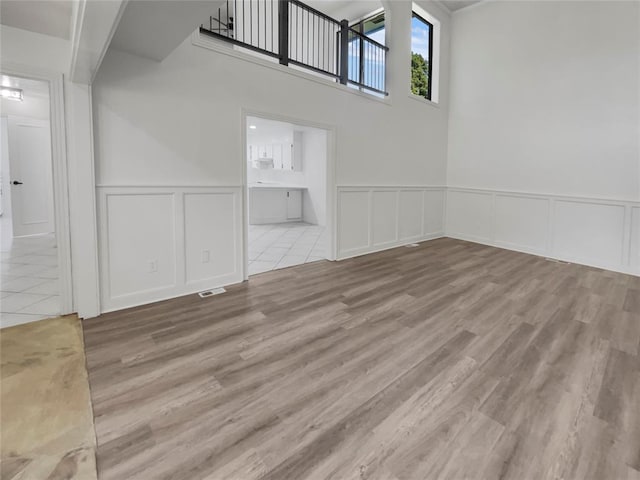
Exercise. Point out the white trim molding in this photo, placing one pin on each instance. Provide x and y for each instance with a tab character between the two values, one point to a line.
160	242
593	231
374	218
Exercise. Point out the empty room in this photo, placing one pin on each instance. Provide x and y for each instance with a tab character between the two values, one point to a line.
320	239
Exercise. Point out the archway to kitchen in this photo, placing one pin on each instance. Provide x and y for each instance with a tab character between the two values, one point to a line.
289	193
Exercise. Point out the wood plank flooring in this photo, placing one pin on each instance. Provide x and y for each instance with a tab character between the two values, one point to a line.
450	360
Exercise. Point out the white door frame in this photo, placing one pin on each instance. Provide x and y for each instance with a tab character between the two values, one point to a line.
330	180
60	175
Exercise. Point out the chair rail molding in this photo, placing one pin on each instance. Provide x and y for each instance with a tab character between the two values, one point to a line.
595	231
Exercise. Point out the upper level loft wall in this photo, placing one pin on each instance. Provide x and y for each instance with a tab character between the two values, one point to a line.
21	47
179	121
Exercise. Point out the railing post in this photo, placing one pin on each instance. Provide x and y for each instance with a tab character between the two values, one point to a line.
344	52
283	31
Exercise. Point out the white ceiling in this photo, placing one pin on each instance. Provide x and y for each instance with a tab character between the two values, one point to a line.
454	5
349	9
353	9
48	17
143	28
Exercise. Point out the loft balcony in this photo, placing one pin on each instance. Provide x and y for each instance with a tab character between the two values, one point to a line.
297	34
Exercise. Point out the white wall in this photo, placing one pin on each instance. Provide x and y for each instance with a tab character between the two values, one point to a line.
314	169
178	124
544	129
180	120
19	46
33	106
6	227
545	98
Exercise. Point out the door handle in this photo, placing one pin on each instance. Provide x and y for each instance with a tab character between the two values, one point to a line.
16	182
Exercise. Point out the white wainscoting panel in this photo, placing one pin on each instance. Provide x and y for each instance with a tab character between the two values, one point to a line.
353	218
634	239
410	214
373	218
142	244
597	232
210	250
588	232
521	222
470	214
162	242
384	223
434	212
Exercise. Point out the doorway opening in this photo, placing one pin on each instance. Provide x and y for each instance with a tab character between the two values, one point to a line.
288	213
30	285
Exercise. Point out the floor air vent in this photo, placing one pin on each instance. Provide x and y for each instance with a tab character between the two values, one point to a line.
211	293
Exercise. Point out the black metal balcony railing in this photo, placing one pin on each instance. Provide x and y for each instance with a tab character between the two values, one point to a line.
298	34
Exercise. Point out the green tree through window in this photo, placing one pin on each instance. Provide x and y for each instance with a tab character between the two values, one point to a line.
419	75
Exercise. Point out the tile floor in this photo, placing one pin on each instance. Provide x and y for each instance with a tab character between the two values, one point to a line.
29	286
282	245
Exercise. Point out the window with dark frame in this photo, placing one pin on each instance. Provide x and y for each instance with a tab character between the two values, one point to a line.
421	56
370	70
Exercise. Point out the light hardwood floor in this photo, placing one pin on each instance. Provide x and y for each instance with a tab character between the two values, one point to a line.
45	410
450	360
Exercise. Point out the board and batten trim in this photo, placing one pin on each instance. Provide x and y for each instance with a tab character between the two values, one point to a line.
356	225
606	226
179	283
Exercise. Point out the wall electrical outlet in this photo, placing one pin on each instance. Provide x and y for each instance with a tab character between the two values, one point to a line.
153	266
205	256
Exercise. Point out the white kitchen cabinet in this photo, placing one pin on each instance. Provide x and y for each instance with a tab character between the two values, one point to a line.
280	153
274	204
294	204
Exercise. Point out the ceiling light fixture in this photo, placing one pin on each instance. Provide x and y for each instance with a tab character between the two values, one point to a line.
252	127
11	93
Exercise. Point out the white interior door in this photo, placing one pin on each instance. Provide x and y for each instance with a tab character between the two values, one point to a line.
31	176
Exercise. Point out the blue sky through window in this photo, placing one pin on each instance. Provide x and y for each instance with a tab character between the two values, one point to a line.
374	68
420	37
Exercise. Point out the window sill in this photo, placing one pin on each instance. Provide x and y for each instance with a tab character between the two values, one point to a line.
208	43
424	100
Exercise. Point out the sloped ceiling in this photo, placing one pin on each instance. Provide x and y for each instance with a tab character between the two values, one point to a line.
48	17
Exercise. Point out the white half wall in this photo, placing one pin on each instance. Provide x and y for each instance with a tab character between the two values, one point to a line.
374	218
591	231
162	242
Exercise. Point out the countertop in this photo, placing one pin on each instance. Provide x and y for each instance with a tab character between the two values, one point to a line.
276	186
